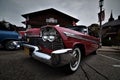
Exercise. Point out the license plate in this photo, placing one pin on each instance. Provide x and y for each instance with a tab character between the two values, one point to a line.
28	39
26	50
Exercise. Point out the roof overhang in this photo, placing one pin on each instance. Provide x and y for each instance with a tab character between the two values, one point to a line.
49	10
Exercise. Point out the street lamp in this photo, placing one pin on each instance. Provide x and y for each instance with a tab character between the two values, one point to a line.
101	3
100	19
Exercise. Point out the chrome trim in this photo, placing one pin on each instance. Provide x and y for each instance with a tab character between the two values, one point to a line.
42	55
78	37
38	54
31	46
16	44
61	51
69	34
57	58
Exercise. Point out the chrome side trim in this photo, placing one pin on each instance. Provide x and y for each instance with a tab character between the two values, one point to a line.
69	34
78	37
61	51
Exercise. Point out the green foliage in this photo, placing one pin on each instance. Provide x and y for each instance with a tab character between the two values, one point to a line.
94	30
7	26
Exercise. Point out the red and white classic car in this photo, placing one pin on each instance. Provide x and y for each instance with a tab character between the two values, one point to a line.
59	46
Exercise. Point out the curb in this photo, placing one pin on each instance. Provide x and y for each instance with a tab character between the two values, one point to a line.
116	51
109	49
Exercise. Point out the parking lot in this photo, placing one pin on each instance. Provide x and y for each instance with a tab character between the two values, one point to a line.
15	65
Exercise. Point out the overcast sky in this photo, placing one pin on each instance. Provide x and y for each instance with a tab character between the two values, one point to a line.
84	10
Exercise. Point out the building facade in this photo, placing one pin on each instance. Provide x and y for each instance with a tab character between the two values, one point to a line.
48	17
111	31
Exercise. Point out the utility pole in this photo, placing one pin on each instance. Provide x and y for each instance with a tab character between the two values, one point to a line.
100	20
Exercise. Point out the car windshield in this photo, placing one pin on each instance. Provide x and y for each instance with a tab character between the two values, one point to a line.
81	29
76	29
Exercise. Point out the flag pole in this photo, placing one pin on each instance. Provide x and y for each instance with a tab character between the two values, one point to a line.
100	33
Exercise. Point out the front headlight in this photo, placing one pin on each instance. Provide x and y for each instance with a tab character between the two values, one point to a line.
51	38
48	34
45	38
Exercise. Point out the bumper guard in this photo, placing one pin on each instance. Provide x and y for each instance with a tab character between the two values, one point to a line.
56	58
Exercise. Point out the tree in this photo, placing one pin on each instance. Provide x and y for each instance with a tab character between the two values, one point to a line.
94	30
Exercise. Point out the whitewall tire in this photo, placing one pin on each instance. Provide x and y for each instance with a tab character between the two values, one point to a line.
74	65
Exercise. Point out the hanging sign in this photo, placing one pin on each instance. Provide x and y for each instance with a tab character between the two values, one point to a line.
51	20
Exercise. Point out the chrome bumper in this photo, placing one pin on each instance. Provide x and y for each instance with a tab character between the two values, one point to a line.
56	58
16	44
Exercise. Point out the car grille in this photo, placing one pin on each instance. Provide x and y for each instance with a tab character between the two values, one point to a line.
35	41
55	45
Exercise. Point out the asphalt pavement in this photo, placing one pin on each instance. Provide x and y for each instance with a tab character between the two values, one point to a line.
15	65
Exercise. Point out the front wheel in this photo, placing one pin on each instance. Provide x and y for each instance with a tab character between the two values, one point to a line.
10	45
74	64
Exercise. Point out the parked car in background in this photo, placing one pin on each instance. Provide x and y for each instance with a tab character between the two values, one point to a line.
28	33
59	46
10	40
